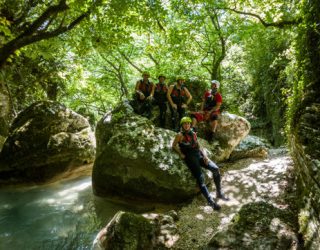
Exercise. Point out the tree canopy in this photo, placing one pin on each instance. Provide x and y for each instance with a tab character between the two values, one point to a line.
89	53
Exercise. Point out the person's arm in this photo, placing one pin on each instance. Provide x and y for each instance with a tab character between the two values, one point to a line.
152	91
173	105
175	146
141	95
185	105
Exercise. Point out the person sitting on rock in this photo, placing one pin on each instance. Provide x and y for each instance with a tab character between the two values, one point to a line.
187	146
144	91
160	99
210	107
179	97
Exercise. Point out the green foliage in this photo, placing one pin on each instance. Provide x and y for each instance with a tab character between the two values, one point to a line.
96	64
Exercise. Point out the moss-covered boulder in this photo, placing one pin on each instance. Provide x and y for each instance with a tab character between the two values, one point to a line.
128	231
44	140
258	225
135	159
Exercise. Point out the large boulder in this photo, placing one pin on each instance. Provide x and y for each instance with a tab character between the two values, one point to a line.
44	140
231	130
132	231
134	158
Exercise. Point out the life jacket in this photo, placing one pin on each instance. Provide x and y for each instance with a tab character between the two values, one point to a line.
189	143
160	92
178	96
145	88
210	101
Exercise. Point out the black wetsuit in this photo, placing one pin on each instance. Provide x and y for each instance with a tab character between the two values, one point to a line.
195	160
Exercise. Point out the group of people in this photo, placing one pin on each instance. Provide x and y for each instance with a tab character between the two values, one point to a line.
185	143
178	97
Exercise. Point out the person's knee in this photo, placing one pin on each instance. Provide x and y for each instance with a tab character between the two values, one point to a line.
214	168
200	180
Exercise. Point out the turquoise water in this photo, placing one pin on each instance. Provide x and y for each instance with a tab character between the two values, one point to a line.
62	215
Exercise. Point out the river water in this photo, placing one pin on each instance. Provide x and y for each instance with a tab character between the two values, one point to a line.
61	215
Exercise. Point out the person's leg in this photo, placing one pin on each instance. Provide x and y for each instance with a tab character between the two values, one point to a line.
216	177
181	113
148	108
195	168
213	125
174	116
213	122
163	110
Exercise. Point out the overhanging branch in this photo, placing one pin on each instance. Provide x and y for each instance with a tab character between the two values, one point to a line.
279	24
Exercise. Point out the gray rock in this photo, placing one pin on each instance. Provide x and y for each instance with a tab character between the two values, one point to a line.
250	147
44	140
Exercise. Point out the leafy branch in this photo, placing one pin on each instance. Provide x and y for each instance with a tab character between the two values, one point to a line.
38	30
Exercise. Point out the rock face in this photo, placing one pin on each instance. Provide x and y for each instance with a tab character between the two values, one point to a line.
131	231
44	140
134	158
305	134
257	226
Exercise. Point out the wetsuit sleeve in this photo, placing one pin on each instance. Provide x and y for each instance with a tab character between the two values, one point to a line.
218	97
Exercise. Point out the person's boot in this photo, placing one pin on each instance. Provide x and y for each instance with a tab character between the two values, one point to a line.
211	202
221	195
214	205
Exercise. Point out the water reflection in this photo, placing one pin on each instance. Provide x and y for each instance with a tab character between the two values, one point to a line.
62	215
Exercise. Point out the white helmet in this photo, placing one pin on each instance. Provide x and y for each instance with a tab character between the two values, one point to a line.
216	82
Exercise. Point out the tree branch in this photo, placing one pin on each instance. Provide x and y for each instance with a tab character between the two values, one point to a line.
130	62
279	24
153	59
21	41
52	10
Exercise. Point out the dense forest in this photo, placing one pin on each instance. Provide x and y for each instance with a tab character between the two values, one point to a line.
88	55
